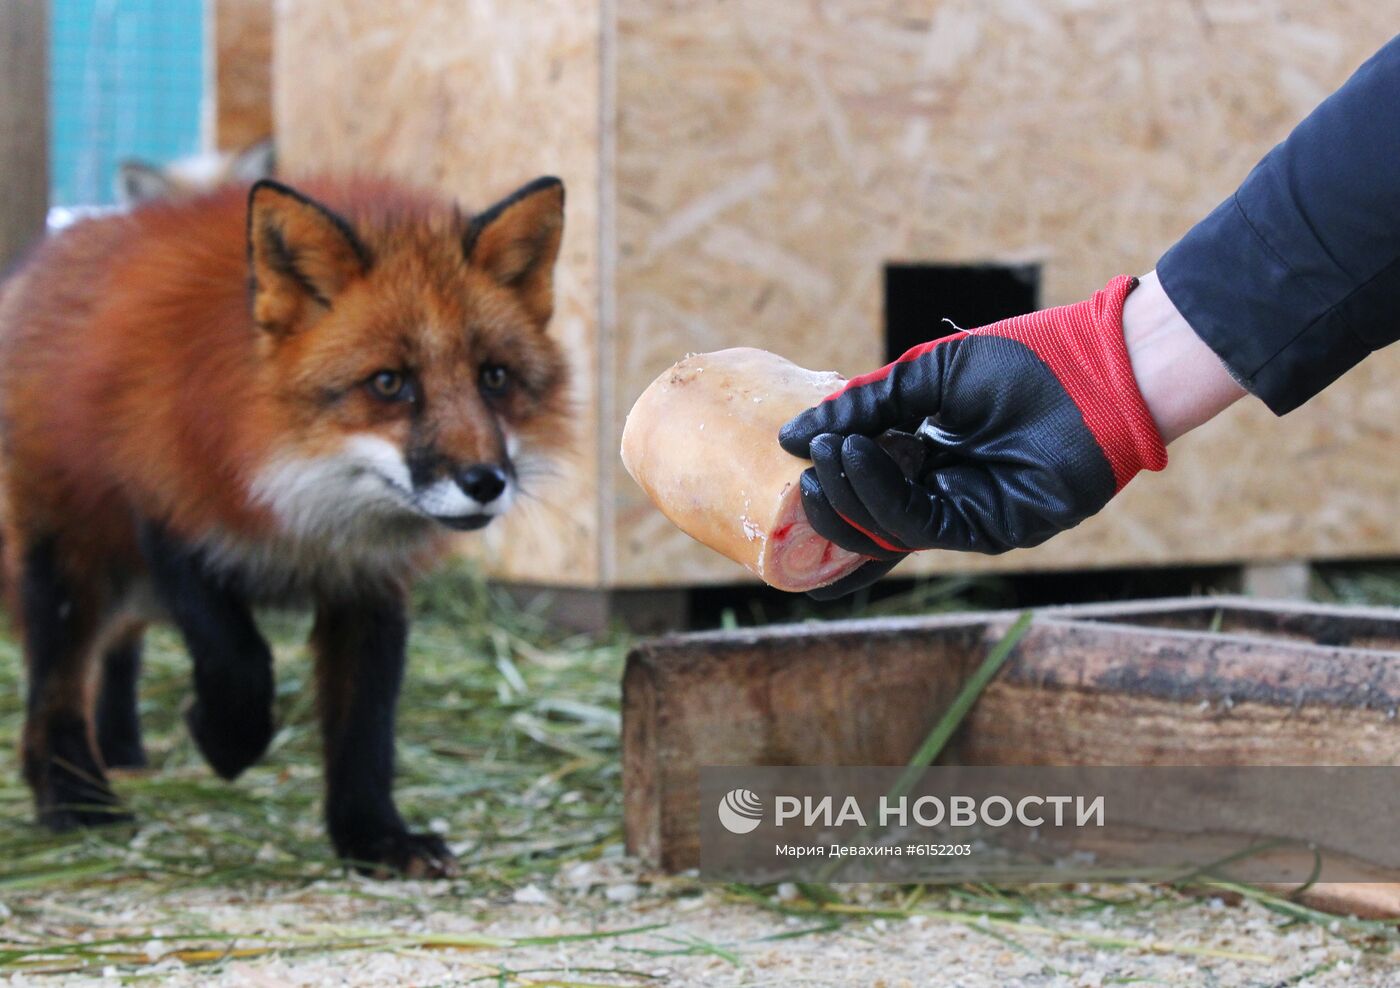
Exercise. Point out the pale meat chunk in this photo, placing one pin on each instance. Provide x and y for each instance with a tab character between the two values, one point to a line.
702	441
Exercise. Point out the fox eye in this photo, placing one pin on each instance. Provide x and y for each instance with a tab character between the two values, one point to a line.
391	385
494	378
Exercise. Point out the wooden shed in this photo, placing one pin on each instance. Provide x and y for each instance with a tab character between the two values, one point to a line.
792	175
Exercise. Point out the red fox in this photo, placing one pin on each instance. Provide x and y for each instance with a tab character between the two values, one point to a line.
262	396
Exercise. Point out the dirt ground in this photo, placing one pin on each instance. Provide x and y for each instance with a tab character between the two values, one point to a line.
508	743
359	932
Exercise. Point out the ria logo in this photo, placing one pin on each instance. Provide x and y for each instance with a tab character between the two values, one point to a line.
740	811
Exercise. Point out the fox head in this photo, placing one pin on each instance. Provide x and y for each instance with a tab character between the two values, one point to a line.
403	346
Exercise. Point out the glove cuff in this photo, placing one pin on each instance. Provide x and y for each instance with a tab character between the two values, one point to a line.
1126	430
1083	346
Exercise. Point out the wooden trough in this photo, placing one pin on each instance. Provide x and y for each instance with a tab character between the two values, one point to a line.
1193	681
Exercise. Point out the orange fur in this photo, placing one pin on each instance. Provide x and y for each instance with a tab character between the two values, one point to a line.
135	381
250	395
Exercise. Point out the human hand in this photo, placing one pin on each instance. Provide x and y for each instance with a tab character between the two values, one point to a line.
1032	425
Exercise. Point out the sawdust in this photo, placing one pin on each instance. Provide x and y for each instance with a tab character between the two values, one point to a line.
683	934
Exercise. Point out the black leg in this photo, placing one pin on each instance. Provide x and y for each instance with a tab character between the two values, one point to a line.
359	649
117	713
61	764
231	716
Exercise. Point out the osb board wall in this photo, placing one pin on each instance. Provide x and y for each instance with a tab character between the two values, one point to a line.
771	157
242	55
473	99
758	164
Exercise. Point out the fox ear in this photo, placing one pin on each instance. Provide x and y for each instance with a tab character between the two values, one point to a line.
516	242
254	162
301	254
138	182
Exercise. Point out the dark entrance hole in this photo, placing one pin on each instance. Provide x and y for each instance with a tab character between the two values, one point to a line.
918	297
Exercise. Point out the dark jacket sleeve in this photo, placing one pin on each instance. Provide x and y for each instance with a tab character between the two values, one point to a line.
1296	277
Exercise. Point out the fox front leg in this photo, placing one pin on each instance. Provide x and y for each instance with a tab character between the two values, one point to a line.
61	614
117	716
359	647
231	716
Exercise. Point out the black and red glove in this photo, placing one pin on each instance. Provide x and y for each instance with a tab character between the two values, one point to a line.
1028	426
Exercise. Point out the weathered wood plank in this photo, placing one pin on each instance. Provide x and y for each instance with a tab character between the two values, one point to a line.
1079	690
1366	900
1322	624
865	694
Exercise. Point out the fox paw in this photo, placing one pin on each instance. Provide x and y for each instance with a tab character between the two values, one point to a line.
70	804
401	855
61	819
230	743
121	749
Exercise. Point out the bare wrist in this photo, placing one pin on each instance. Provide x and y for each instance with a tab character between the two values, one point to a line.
1181	379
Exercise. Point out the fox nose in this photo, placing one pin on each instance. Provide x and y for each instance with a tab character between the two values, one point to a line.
482	483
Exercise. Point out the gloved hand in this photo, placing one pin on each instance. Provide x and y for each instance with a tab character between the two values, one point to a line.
1032	425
